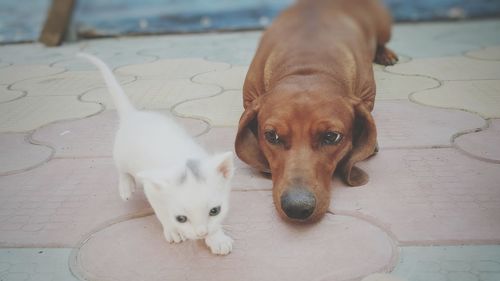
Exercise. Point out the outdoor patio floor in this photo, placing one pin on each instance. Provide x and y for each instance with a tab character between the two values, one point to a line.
431	210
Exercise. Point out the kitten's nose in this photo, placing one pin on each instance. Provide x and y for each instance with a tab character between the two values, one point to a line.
201	231
298	203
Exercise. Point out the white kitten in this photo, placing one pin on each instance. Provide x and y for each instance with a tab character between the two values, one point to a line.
187	188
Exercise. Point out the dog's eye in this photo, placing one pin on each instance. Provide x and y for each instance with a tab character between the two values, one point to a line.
331	138
272	137
181	219
214	211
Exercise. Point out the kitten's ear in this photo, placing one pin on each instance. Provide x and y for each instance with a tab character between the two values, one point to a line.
225	164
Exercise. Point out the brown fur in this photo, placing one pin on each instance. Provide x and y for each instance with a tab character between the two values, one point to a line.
313	73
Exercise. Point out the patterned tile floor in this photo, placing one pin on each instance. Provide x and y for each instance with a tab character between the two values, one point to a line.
431	210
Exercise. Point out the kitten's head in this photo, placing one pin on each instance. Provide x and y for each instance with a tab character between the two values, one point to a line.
193	198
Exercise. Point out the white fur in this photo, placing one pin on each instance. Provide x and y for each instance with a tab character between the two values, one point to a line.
152	150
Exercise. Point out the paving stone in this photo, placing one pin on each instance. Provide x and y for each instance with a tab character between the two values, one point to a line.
449	68
114	60
429	127
15	73
265	248
155	94
488	53
482	97
32	112
457	263
230	79
233	48
427	195
57	204
17	154
231	101
69	83
482	144
438	39
398	87
481	32
171	69
35	264
7	95
37	53
4	64
94	136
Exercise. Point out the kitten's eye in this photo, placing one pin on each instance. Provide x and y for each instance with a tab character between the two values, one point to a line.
331	138
272	137
214	211
181	219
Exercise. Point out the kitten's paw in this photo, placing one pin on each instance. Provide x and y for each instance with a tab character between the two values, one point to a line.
219	243
173	236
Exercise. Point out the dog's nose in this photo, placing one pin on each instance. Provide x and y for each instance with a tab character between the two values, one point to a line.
298	203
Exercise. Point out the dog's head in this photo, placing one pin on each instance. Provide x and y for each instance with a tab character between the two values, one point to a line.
301	138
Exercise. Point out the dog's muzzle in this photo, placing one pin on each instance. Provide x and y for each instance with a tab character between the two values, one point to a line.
298	203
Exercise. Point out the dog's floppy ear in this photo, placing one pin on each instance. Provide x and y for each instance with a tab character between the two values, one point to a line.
364	142
247	142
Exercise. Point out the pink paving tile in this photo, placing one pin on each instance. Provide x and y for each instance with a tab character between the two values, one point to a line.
265	248
57	204
17	154
93	137
484	144
428	196
405	124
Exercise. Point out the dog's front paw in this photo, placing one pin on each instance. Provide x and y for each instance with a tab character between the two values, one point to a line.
219	243
173	236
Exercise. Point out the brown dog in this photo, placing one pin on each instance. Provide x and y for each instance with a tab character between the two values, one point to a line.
308	96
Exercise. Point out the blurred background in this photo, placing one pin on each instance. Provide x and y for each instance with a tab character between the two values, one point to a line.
22	21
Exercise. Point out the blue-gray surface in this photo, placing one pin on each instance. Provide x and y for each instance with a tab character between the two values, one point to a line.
22	20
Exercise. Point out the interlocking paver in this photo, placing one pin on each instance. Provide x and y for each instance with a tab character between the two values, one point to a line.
391	86
482	96
450	263
482	144
488	53
405	124
231	101
155	94
35	264
69	83
36	53
229	79
265	248
16	73
17	154
233	48
449	68
171	69
7	95
56	204
32	112
114	60
79	138
428	196
432	40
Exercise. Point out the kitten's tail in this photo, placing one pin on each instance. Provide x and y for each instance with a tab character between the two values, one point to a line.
119	97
